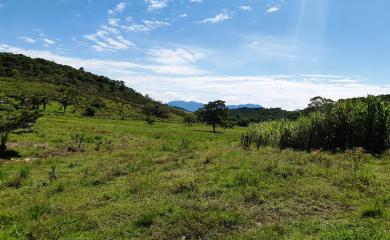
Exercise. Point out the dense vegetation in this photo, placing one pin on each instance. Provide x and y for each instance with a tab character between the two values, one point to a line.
244	116
87	93
347	124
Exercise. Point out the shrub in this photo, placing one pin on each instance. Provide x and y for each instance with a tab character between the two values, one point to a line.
59	187
372	212
189	120
77	142
98	103
150	119
90	111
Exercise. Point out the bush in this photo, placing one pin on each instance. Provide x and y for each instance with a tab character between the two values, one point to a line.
189	120
150	120
90	111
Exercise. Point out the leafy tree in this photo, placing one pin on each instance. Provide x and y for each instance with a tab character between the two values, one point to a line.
319	104
44	101
13	117
65	102
156	110
213	114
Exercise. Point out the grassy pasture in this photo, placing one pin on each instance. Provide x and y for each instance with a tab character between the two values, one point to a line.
130	180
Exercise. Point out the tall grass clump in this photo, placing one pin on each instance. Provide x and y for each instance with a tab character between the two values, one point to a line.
347	124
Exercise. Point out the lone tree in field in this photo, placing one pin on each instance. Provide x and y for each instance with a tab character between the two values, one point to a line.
65	102
12	118
213	113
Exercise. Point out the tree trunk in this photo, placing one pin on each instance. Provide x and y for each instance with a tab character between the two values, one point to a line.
213	128
3	141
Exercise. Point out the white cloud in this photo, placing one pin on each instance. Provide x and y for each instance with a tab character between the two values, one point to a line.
28	39
113	22
184	15
156	4
176	56
110	68
217	19
49	41
109	38
273	9
196	1
120	7
270	91
182	81
104	41
145	26
246	8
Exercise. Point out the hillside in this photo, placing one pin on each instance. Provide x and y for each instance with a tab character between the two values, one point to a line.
21	75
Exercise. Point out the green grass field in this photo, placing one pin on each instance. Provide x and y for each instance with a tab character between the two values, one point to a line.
130	180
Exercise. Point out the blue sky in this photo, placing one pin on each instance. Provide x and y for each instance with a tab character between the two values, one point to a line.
277	53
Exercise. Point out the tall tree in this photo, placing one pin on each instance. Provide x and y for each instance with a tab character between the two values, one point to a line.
213	114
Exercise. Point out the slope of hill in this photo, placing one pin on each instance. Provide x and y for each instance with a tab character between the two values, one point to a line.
21	75
192	106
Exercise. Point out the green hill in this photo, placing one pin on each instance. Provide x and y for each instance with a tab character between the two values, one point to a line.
39	78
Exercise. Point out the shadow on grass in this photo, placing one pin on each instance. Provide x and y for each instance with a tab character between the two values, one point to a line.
196	130
8	154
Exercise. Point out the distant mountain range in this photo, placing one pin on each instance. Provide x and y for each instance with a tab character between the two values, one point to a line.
192	106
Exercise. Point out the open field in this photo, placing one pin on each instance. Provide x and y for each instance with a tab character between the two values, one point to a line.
131	180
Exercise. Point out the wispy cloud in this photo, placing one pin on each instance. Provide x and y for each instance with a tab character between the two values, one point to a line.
196	1
120	7
145	26
217	19
274	8
174	56
108	38
156	4
108	41
49	41
246	8
28	39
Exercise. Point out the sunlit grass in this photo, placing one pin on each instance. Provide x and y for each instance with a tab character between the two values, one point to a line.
170	181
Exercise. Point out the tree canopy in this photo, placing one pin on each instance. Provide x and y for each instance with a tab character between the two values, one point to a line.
14	116
214	114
